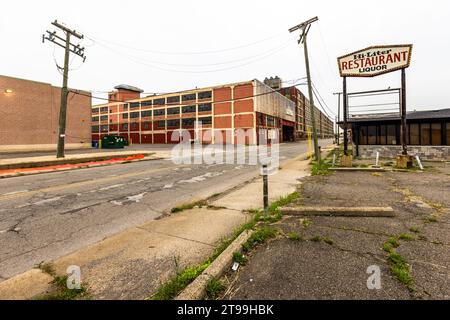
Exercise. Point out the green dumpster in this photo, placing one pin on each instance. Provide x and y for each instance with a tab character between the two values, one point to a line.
113	142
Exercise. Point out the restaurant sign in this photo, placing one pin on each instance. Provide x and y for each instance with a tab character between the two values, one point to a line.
374	61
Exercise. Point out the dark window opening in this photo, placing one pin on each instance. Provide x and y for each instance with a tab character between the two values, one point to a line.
188	122
174	99
159	102
371	135
414	134
206	120
104	118
173	123
146	103
147	113
124	115
134	105
204	107
134	115
205	95
104	109
95	129
173	111
160	124
159	112
95	119
104	128
189	109
146	126
189	97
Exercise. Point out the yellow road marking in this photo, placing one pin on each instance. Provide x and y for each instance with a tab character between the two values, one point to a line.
85	183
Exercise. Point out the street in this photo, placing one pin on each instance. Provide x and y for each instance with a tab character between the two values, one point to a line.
46	216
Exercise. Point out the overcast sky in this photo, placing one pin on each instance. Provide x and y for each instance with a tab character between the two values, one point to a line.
163	46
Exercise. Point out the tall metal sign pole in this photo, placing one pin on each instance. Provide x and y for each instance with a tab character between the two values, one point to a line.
69	47
304	28
345	111
403	114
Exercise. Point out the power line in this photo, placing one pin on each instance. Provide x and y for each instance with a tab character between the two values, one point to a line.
142	62
184	53
202	65
318	93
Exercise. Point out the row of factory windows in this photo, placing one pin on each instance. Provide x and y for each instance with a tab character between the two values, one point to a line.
162	101
205	107
434	133
157	125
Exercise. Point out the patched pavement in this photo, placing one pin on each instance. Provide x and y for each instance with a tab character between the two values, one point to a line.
306	269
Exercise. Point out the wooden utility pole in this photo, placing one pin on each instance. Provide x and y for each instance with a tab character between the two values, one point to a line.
304	28
69	47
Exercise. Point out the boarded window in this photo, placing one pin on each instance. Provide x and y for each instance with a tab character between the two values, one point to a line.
391	135
425	134
436	136
414	135
448	133
372	135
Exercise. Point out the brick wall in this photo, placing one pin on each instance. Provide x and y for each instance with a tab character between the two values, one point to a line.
30	114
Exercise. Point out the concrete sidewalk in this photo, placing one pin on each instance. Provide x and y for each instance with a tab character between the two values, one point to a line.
132	264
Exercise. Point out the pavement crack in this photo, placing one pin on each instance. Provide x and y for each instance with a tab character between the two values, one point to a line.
178	237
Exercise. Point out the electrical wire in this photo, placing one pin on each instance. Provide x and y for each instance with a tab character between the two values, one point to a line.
320	98
90	37
141	62
194	65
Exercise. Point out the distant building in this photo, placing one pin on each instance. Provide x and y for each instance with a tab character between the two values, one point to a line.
324	125
428	134
29	116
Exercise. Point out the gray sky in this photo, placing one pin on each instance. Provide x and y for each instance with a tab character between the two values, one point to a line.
164	31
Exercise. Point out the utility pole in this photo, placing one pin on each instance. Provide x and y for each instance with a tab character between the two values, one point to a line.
339	115
69	47
304	28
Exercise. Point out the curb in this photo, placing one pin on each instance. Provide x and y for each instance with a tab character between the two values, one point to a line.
373	212
25	164
197	289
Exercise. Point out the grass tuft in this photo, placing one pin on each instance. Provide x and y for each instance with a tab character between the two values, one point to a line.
214	288
260	236
407	237
239	258
400	268
321	169
294	236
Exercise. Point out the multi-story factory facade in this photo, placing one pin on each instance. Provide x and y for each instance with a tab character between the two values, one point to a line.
224	111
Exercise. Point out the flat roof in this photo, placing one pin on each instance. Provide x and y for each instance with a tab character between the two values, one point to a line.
412	115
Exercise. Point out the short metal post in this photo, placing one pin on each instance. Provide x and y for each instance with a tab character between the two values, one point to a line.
265	189
419	162
378	159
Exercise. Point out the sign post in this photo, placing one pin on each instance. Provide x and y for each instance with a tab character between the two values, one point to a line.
372	62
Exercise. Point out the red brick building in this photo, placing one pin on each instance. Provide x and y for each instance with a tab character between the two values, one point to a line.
29	116
222	110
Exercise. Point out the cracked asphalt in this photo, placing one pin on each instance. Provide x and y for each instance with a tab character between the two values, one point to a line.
46	216
306	269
